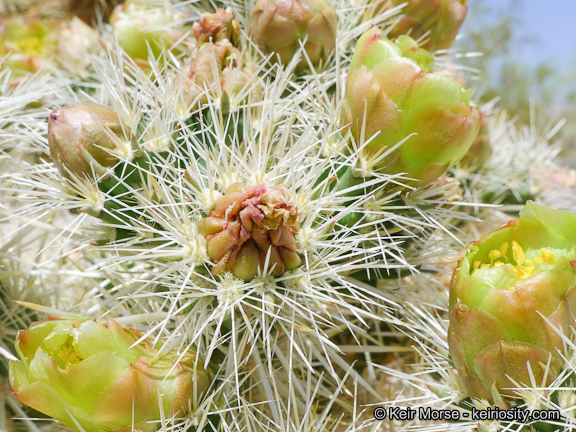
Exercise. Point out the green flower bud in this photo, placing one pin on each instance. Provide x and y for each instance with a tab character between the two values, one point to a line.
136	27
249	226
509	282
278	26
82	137
438	21
392	96
81	371
480	150
214	27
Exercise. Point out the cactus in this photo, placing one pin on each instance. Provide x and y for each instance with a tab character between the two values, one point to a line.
266	225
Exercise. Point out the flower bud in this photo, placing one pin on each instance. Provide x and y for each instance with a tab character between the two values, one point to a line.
137	27
438	21
510	284
390	97
249	226
221	68
82	137
88	374
277	26
214	27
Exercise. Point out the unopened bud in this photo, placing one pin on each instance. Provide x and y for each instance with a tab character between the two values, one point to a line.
278	26
221	69
137	29
392	98
75	41
436	21
251	226
82	137
214	27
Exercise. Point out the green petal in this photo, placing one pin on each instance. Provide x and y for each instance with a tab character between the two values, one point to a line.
90	379
542	226
94	338
372	48
28	341
434	90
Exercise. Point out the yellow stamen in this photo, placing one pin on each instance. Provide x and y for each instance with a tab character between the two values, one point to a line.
476	265
524	276
69	355
538	260
493	255
485	265
30	45
517	252
498	264
548	256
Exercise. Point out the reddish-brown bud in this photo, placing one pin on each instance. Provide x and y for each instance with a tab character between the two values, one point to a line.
250	227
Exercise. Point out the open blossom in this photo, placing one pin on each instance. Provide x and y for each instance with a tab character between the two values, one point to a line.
437	21
250	226
508	285
278	26
28	42
391	97
82	372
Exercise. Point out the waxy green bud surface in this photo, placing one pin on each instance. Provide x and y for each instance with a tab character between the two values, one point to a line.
480	150
390	97
140	29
